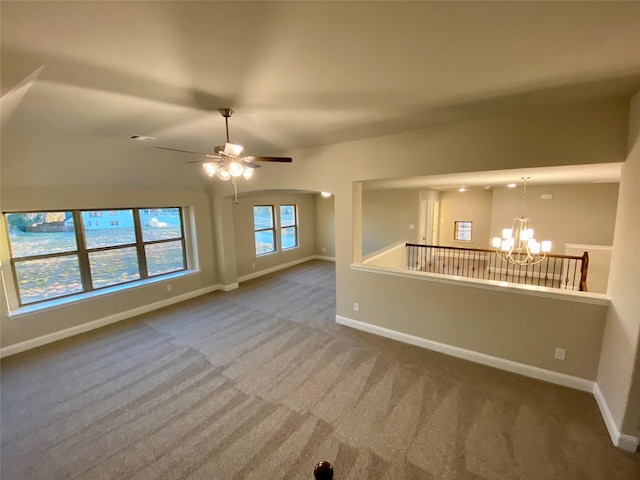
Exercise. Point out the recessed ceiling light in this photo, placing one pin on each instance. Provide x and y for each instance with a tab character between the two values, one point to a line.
512	185
462	189
325	194
143	138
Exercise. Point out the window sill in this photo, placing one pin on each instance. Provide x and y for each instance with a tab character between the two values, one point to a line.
83	297
282	250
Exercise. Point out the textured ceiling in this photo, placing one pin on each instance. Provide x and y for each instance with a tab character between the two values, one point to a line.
302	73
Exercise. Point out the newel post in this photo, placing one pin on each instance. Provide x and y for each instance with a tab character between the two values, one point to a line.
584	267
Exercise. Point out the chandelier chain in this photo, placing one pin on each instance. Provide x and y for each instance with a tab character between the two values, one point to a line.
524	194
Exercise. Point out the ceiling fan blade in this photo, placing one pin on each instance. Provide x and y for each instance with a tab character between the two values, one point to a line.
249	163
213	160
182	151
270	159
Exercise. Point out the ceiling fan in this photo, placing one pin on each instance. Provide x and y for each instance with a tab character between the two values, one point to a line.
227	161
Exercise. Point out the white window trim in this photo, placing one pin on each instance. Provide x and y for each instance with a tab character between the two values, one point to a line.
10	289
295	225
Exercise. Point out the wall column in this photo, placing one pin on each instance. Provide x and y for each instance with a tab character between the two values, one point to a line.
618	381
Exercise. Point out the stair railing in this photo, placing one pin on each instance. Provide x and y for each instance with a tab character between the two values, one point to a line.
555	271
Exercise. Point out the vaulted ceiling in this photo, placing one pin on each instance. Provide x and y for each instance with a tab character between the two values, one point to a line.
301	73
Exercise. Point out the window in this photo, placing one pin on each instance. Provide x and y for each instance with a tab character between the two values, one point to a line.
288	226
462	231
57	254
264	229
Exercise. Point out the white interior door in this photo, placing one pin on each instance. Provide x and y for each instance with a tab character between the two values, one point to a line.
428	222
435	212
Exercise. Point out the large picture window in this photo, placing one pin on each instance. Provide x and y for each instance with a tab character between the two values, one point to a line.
288	226
57	254
264	229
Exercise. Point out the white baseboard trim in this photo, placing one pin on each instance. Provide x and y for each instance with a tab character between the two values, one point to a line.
322	257
496	362
266	271
86	327
620	440
228	288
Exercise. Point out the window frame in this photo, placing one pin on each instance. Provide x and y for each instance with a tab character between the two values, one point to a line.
294	225
272	229
82	252
458	229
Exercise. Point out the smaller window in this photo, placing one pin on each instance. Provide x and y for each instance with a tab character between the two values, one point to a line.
462	231
264	229
288	226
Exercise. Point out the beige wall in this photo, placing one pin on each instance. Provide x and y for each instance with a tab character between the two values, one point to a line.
594	132
16	330
507	325
76	173
246	260
617	379
386	217
325	225
584	213
472	205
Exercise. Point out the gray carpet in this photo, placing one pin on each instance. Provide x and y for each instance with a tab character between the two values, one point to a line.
260	383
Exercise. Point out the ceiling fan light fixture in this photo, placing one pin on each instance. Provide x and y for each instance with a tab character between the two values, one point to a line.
210	168
248	173
235	169
227	160
223	173
233	150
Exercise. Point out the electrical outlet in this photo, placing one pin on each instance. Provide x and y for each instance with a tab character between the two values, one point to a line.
169	287
561	354
324	250
253	265
356	307
412	226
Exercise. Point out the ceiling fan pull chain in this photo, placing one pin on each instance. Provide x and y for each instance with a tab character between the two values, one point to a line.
235	188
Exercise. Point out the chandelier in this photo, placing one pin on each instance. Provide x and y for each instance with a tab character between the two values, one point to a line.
518	245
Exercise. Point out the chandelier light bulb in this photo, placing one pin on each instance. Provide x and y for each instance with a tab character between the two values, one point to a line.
534	247
248	173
